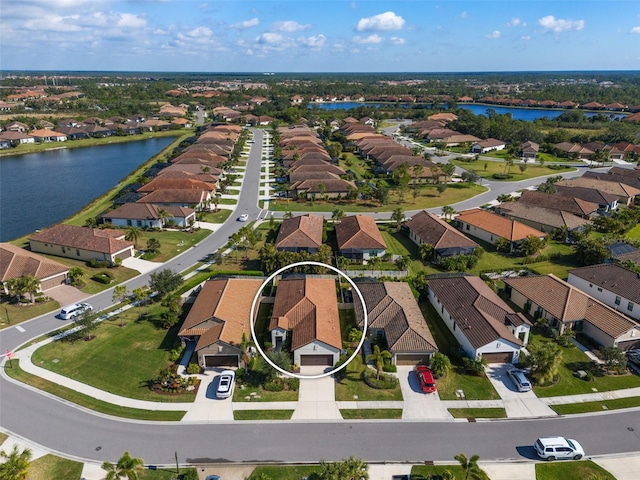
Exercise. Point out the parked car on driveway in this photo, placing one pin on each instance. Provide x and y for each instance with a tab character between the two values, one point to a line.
552	448
425	377
227	381
520	380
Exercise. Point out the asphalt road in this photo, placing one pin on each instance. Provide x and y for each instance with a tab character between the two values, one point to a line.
62	427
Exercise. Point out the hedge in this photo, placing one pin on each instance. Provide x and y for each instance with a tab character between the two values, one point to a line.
386	382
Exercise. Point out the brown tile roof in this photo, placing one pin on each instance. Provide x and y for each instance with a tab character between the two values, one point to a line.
222	311
569	304
174	196
17	262
498	225
558	202
585	193
148	211
164	183
304	231
619	189
93	239
433	230
331	185
480	314
392	307
359	232
612	277
545	216
317	168
309	308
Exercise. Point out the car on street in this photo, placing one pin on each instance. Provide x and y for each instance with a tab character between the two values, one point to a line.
75	309
243	218
519	379
425	377
552	448
226	382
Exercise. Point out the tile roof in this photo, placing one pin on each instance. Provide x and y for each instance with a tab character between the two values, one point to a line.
17	262
569	304
93	239
433	230
611	187
174	196
148	211
498	225
304	231
545	216
170	183
392	307
612	277
558	202
359	232
309	308
331	185
480	314
585	193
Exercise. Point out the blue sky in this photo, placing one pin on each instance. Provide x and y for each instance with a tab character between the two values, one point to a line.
319	36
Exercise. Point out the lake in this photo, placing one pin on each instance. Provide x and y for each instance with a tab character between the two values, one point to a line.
525	113
38	190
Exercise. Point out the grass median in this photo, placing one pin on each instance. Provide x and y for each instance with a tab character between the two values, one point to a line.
599	406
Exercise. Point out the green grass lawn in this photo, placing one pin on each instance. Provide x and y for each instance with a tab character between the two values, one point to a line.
373	414
50	466
426	472
12	314
352	384
282	472
242	392
532	171
262	414
3	437
217	217
572	360
172	242
634	233
587	407
120	360
582	470
478	412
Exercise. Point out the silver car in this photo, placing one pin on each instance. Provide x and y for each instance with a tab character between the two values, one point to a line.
520	380
226	384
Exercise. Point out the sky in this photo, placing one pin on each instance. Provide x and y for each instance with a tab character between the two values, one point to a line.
319	35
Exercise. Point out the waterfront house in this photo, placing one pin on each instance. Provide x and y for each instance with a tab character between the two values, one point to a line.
148	215
16	262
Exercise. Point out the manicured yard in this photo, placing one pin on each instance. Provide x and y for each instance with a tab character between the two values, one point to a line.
242	393
17	314
493	167
171	242
262	414
120	360
3	437
50	466
281	472
634	233
585	469
587	407
373	414
426	472
217	217
478	412
352	385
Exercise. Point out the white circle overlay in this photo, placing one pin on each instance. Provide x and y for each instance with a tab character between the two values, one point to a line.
255	301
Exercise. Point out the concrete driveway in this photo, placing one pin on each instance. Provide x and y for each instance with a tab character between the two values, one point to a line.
66	294
207	407
516	404
316	397
418	405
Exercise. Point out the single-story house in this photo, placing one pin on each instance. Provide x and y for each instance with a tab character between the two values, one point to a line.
573	205
359	238
606	202
567	307
393	312
178	198
540	218
425	227
626	193
484	325
148	215
300	234
16	138
82	243
218	319
44	135
16	262
529	150
490	227
305	315
484	146
612	284
319	188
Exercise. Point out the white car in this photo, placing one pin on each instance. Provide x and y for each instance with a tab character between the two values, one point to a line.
72	311
520	380
243	218
226	383
552	448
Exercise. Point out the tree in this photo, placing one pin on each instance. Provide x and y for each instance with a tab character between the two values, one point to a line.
120	295
322	189
153	245
403	262
16	464
470	467
268	256
86	324
441	187
425	250
447	169
374	262
590	251
397	216
90	222
140	297
246	346
164	281
133	235
337	215
530	245
331	470
402	179
502	245
544	361
448	211
439	364
342	263
614	359
127	467
75	275
505	197
355	469
378	357
417	171
31	286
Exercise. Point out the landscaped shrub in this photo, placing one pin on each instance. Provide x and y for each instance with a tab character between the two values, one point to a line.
275	385
240	372
175	354
390	368
474	367
193	369
191	474
102	277
95	263
385	382
501	176
294	384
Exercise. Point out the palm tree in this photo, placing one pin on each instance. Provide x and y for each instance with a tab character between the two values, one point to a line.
337	215
374	262
331	471
127	467
133	235
342	263
163	216
378	357
470	467
246	344
448	169
31	285
448	211
75	275
16	464
355	469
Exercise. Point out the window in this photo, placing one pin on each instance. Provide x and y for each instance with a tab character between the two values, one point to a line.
599	289
454	326
591	285
618	299
77	252
129	223
64	250
139	222
630	306
468	226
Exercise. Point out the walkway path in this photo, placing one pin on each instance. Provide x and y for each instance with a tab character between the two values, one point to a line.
316	397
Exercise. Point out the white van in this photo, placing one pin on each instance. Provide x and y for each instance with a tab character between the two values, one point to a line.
72	311
552	448
519	380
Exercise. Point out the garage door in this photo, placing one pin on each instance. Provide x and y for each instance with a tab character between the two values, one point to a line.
318	360
505	357
629	345
220	360
411	359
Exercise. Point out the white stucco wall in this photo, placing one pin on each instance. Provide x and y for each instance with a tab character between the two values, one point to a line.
316	348
605	296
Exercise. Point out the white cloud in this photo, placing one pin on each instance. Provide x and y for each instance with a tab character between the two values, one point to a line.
557	25
131	21
383	21
463	14
397	41
516	22
494	34
526	37
246	24
371	39
53	23
199	32
315	41
270	38
288	26
635	30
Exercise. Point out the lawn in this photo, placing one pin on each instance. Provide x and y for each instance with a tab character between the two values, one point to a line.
352	385
478	412
281	472
634	233
532	171
217	217
50	466
428	198
262	414
372	414
120	360
588	407
172	242
242	393
572	360
582	470
19	313
426	472
3	437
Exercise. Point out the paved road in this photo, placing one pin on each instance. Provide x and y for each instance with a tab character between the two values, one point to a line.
64	428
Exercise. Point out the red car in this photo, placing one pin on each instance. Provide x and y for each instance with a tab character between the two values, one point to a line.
425	377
